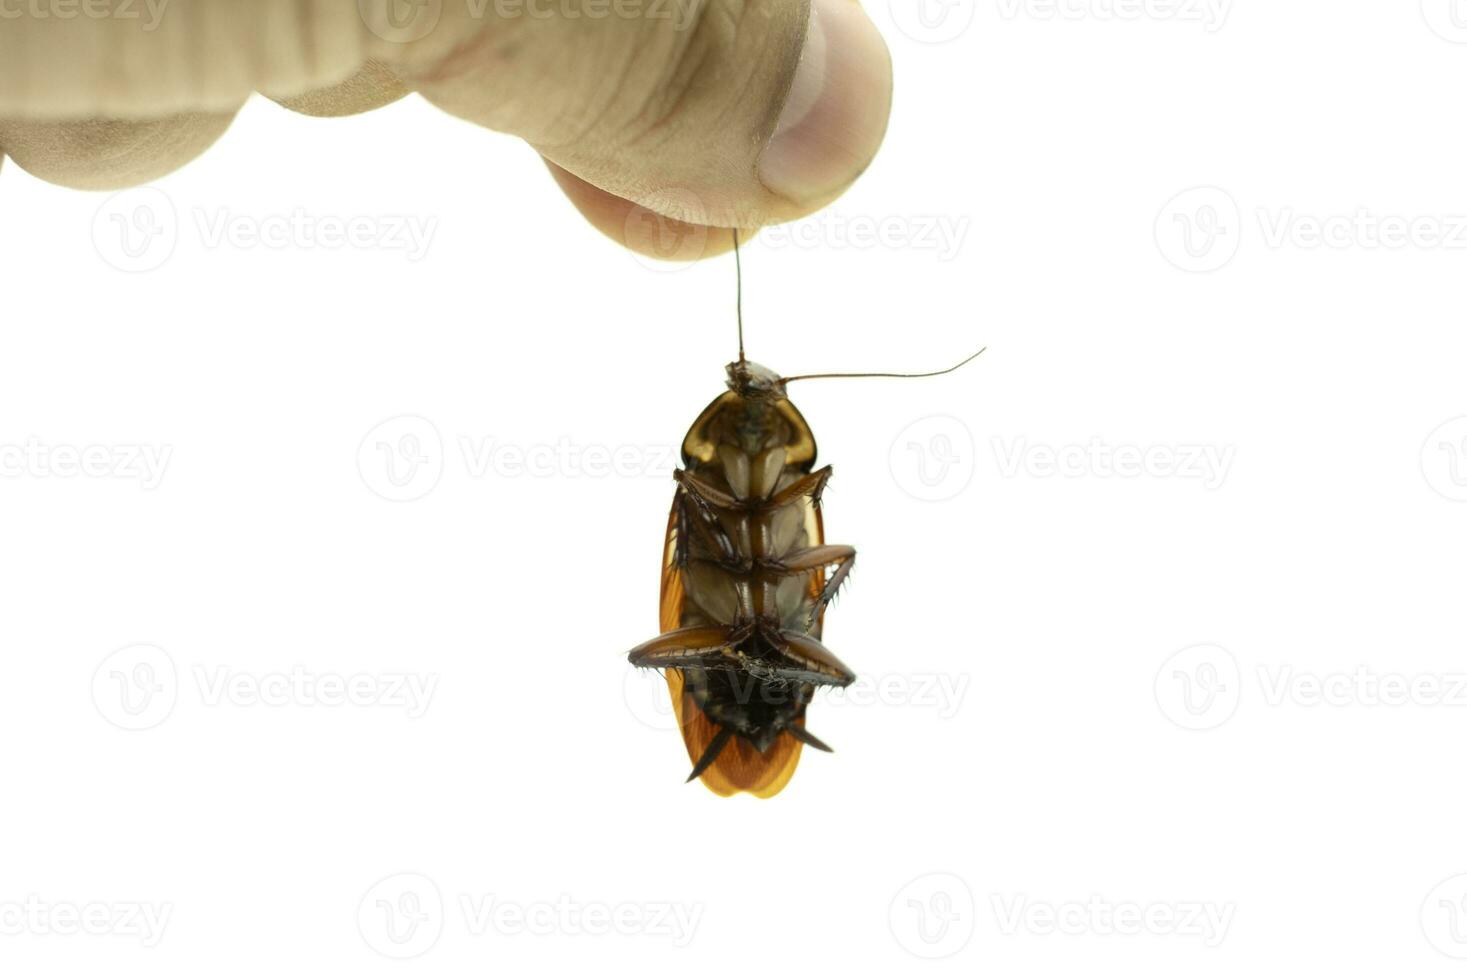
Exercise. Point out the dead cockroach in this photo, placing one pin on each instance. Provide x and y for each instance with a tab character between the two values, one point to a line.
746	579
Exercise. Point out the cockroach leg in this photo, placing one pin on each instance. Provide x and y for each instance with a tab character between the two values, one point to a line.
832	586
814	664
708	527
810	485
842	556
691	646
706	493
819	556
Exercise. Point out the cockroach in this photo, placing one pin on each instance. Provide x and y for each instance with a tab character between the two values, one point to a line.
746	579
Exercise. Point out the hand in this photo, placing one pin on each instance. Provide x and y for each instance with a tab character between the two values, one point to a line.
716	113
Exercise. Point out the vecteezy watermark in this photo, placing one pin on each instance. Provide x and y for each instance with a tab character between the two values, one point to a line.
1444	917
404	915
1199	230
139	229
932	917
147	13
405	21
136	230
1362	229
663	243
1362	687
138	687
942	694
933	459
400	21
1199	688
1096	916
943	235
299	687
1209	465
401	916
1446	18
34	459
1212	15
34	916
1444	459
403	459
933	21
1202	229
676	922
646	694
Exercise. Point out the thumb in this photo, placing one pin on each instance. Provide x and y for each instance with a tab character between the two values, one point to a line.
715	113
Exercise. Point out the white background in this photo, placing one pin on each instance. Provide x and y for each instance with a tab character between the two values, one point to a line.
1075	766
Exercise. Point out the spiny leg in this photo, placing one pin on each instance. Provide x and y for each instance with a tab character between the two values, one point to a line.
691	646
843	556
833	584
691	494
693	517
811	485
706	493
808	659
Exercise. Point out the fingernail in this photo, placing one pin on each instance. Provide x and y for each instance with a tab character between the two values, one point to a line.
835	116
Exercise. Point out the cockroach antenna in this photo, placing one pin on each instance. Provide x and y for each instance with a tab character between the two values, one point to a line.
884	374
739	294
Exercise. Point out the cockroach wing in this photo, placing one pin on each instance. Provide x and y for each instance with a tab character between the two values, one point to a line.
739	768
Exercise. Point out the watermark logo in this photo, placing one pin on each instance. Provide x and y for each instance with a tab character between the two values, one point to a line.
401	459
1199	688
933	21
1211	14
1199	230
942	235
665	244
404	458
34	916
1444	459
299	687
1098	916
648	698
932	917
148	14
39	460
136	230
1446	18
1362	229
676	922
1208	465
1361	688
404	915
933	459
942	694
136	687
401	916
1444	917
400	21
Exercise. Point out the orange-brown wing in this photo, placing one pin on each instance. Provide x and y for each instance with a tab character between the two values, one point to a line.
740	768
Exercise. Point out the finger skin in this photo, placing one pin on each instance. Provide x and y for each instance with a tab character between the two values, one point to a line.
654	125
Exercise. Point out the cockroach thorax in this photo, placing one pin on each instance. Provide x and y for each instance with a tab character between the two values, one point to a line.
750	380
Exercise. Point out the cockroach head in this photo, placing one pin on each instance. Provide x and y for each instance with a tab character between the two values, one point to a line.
750	380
